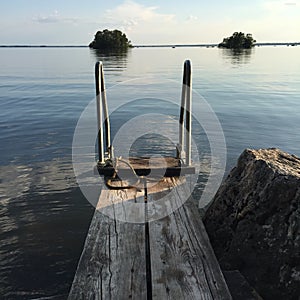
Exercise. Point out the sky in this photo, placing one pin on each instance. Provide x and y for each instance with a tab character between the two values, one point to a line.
75	22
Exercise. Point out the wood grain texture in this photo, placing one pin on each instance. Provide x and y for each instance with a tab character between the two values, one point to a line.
112	264
125	205
114	259
183	263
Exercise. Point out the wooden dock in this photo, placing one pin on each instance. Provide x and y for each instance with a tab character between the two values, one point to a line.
167	258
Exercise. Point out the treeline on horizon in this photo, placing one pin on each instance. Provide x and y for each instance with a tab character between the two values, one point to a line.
150	45
117	40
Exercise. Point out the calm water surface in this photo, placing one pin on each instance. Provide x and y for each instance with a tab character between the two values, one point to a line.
43	215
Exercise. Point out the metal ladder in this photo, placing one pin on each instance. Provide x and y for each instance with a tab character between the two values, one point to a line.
183	154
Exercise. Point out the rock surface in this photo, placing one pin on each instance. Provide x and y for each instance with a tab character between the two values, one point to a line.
254	222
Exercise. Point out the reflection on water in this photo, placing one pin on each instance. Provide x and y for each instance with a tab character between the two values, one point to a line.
111	53
237	56
112	58
42	221
153	145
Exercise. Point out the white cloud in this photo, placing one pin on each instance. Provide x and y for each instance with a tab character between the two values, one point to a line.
54	17
192	18
132	11
134	18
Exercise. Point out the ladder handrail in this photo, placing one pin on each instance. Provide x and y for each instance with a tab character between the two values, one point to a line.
186	107
102	106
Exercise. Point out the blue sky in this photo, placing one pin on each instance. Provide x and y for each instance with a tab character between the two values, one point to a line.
145	22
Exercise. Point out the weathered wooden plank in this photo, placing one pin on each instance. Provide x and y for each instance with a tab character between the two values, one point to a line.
112	264
183	264
125	205
117	255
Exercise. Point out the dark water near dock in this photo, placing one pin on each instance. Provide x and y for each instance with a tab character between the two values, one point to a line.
43	215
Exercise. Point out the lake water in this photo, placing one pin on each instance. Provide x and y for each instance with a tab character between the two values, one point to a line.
43	91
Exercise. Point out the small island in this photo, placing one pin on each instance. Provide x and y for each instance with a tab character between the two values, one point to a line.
110	40
238	41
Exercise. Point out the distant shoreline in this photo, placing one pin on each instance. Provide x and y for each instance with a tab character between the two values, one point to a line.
148	46
43	46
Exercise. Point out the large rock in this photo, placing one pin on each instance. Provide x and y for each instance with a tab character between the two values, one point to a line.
254	222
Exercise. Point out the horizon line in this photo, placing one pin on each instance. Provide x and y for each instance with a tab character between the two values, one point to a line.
141	45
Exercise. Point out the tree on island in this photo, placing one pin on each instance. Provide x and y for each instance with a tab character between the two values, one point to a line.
238	41
110	40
